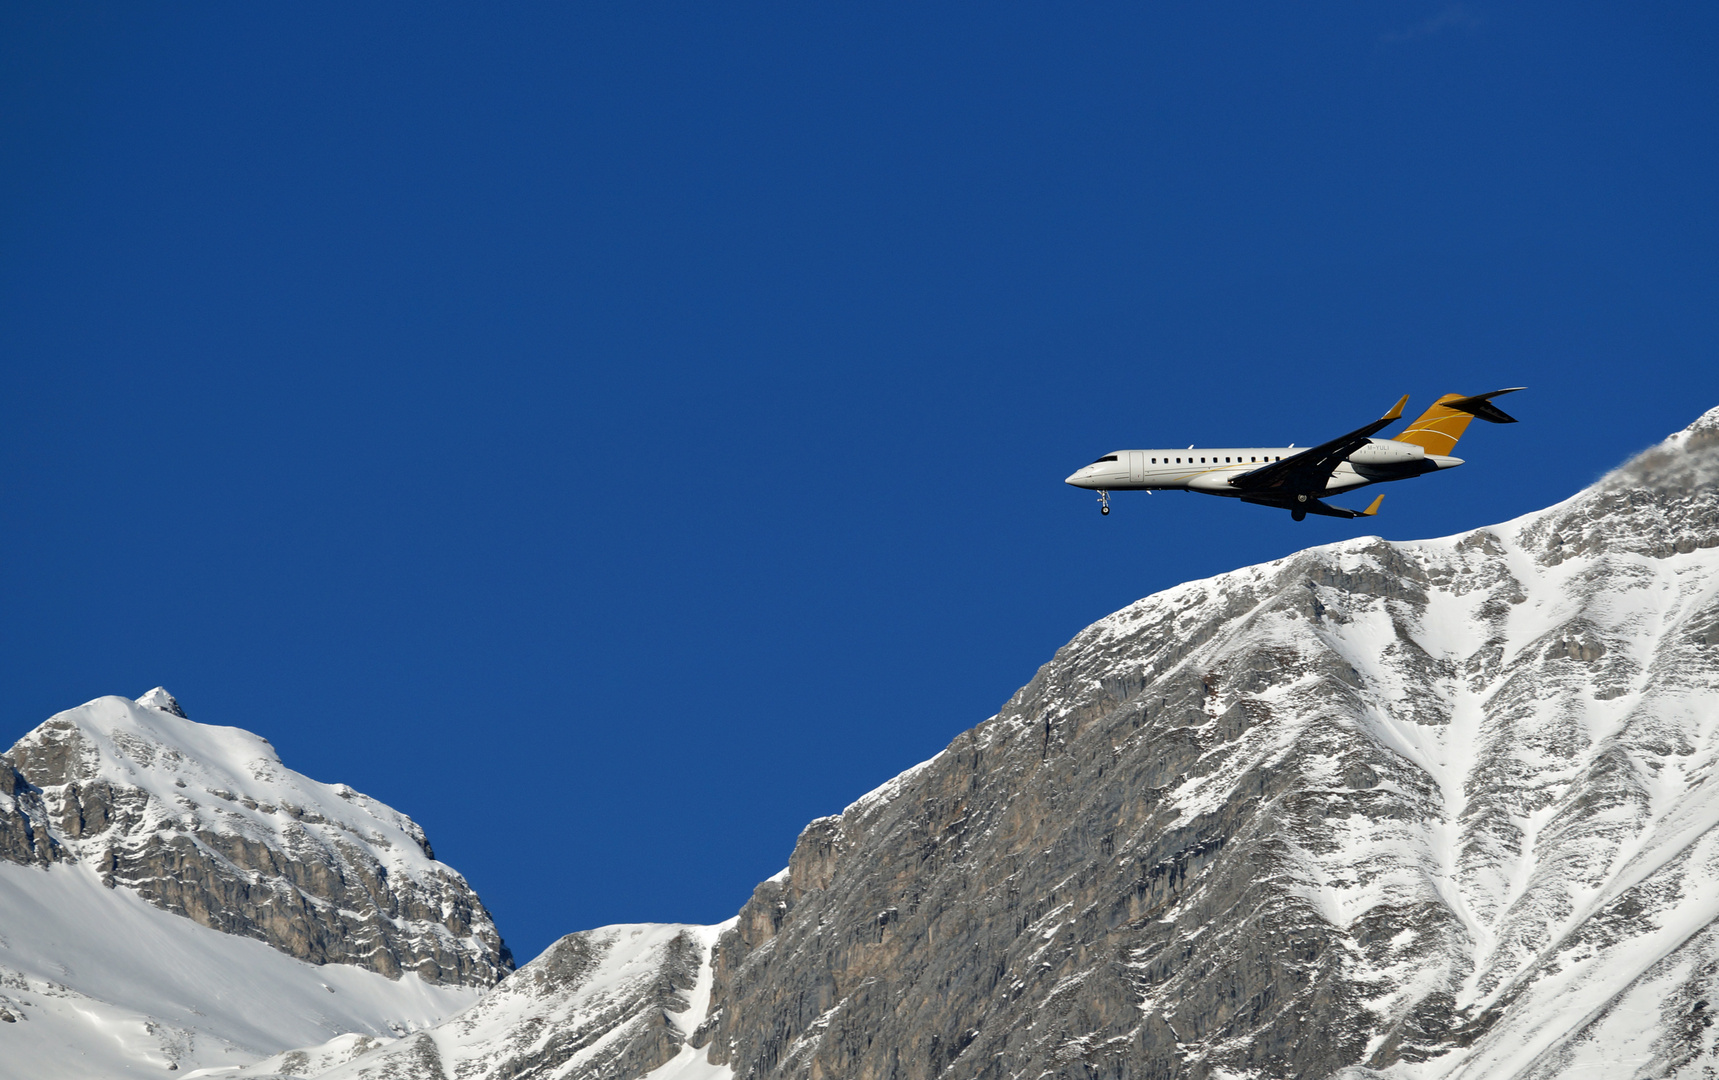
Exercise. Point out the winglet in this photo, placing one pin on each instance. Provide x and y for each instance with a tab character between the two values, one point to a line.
1397	409
1374	509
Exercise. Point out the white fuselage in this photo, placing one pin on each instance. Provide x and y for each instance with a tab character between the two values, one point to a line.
1209	471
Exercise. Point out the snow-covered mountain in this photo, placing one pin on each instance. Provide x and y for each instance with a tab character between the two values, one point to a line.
171	893
1437	810
1431	809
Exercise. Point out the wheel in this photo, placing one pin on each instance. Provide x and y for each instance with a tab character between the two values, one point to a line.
1298	514
1104	509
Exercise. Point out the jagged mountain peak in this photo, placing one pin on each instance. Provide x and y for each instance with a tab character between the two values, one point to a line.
206	776
206	821
159	698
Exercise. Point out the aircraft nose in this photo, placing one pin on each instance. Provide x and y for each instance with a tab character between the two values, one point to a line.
1077	477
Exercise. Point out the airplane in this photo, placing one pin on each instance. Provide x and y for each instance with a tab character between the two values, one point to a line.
1296	480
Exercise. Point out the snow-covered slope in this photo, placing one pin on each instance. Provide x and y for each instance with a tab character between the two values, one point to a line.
616	1001
95	982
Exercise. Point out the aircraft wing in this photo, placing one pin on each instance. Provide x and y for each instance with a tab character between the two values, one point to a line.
1306	473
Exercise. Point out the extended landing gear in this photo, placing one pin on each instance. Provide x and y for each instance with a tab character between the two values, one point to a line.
1104	502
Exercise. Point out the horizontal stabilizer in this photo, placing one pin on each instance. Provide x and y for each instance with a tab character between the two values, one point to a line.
1312	506
1481	405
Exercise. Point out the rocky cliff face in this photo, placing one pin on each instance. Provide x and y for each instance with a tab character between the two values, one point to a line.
207	823
1423	809
24	834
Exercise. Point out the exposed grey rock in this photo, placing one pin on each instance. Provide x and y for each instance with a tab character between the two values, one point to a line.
24	833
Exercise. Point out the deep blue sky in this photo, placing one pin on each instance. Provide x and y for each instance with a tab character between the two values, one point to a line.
615	434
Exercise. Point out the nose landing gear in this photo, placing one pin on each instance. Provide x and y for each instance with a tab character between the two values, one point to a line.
1104	502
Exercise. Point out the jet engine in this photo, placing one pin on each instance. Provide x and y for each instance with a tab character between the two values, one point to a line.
1387	452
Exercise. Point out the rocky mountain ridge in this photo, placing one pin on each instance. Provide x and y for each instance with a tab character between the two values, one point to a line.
1377	809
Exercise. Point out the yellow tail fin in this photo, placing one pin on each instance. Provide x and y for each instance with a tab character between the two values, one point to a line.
1437	429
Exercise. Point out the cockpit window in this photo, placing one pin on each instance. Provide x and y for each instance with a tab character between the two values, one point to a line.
1102	460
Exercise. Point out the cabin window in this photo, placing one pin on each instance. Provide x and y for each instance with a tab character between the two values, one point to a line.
1256	457
1226	461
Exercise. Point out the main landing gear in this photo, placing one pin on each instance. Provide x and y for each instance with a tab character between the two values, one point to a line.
1104	502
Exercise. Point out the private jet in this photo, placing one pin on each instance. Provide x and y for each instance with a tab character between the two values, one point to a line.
1297	480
